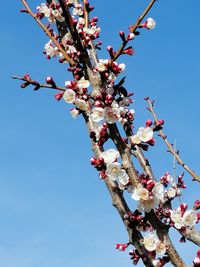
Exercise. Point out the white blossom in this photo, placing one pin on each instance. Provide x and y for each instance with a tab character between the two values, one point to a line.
97	127
171	192
150	23
145	134
110	155
50	50
123	177
43	8
100	67
140	193
74	112
81	104
111	114
135	139
190	218
158	192
69	96
78	10
97	114
67	38
176	217
112	170
150	242
93	30
82	83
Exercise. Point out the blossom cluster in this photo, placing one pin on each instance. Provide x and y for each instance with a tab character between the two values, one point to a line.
181	217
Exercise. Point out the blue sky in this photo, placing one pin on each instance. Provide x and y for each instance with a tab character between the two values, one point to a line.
54	209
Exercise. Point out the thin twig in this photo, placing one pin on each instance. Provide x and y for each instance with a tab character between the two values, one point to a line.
134	28
71	61
170	147
40	85
86	14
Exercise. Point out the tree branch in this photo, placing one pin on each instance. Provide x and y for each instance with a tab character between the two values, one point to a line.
40	85
67	58
133	29
120	204
170	147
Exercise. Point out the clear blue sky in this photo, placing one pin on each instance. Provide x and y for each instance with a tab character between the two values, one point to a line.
54	210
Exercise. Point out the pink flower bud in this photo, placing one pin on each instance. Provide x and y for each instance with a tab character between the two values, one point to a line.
150	185
198	254
196	205
102	175
27	77
129	51
100	161
183	208
122	35
59	96
98	104
149	123
24	85
93	161
160	122
117	246
49	80
130	36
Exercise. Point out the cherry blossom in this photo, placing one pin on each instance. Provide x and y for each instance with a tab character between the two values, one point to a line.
145	134
82	83
150	23
80	104
110	155
189	218
74	112
69	96
98	114
112	170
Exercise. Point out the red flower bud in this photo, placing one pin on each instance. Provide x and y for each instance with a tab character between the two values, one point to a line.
149	123
59	96
93	161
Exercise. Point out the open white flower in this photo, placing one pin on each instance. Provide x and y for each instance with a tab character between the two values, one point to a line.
112	170
69	96
81	104
158	192
67	38
135	139
112	114
171	192
97	129
140	193
123	177
110	155
150	242
50	50
74	112
43	8
145	134
82	83
190	218
150	23
97	114
101	67
176	217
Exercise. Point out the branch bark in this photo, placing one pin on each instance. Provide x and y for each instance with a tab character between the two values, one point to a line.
170	147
